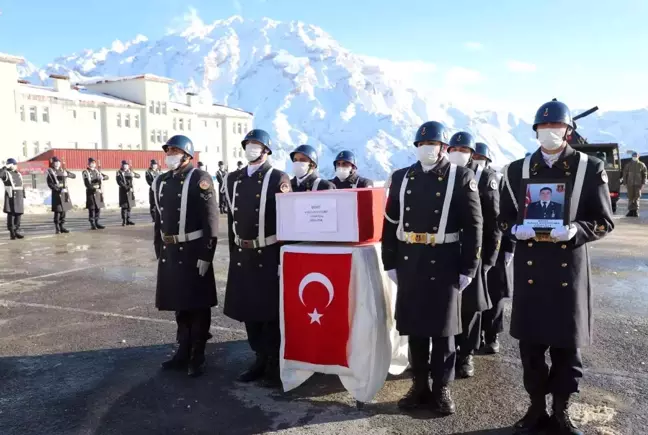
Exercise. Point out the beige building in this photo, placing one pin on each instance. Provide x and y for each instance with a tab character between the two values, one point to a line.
129	113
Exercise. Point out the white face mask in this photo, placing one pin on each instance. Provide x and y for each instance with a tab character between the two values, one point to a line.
300	168
342	173
428	154
481	163
57	165
635	158
173	162
92	166
154	167
253	152
126	167
551	138
11	166
459	158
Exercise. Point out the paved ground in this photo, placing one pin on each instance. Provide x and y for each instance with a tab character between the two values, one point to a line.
80	344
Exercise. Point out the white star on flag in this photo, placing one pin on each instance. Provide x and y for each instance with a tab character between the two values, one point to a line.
315	316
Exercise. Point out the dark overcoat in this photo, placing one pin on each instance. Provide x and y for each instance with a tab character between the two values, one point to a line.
354	181
306	184
428	302
179	285
252	293
150	175
552	297
57	182
93	180
126	189
14	195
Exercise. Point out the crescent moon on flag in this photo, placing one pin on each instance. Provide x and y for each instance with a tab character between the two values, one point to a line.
316	277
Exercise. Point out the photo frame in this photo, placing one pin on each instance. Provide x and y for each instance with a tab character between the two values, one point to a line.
545	203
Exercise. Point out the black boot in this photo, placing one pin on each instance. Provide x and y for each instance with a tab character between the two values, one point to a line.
180	360
197	359
93	226
63	229
560	420
19	233
536	418
12	234
465	366
57	228
419	394
442	400
255	371
98	225
271	375
492	345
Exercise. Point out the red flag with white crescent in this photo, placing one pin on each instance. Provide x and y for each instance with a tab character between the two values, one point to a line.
317	323
527	200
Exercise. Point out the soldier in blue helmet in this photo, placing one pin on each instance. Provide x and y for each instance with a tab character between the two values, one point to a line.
14	197
93	179
185	237
552	297
151	174
252	294
221	173
346	172
475	298
57	177
125	178
429	205
306	178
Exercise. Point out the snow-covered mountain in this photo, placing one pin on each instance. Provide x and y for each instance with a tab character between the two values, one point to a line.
304	87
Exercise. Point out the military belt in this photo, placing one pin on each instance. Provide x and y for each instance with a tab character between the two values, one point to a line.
253	244
428	238
175	239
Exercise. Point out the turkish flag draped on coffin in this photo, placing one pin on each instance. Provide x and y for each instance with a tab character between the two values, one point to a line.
316	308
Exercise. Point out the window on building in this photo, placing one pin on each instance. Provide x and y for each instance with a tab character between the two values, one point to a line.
189	124
164	108
95	145
48	146
36	148
72	113
119	120
22	113
181	124
139	146
166	135
153	136
205	123
159	136
217	124
127	121
25	150
233	127
152	107
240	128
120	146
218	149
130	147
175	123
92	115
157	108
45	114
206	148
136	121
33	116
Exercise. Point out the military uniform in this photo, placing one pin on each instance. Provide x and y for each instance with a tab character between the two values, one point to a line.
310	182
93	180
186	232
354	181
61	201
126	194
150	175
634	177
221	174
14	200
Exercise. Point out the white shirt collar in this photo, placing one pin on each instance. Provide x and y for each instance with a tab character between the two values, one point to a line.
251	169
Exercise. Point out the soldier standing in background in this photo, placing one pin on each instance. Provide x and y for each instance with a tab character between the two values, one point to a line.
634	177
304	160
429	205
93	180
239	165
14	198
252	294
185	238
126	191
346	172
61	201
202	167
151	173
475	299
220	177
552	299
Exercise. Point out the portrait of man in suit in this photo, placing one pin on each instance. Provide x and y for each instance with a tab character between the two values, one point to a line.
545	208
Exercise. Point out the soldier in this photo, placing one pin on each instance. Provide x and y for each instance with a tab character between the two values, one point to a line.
185	237
429	205
93	179
126	191
252	294
61	201
552	299
346	176
202	167
239	165
220	177
475	298
304	160
499	280
151	173
14	198
634	177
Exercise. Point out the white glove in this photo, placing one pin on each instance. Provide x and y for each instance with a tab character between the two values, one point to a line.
564	233
508	258
523	232
202	266
392	276
464	281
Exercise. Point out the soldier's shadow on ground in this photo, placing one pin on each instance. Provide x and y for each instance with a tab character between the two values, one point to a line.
122	391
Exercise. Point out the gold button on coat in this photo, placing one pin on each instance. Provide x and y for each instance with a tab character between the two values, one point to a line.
530	263
530	281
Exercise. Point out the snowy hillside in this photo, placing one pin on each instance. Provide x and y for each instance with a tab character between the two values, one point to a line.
304	87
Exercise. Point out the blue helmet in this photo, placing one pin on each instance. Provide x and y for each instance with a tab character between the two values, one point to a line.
124	162
345	156
12	162
462	139
258	135
153	162
432	130
482	149
553	111
306	150
181	142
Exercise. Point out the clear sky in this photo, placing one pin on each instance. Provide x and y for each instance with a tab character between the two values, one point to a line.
585	52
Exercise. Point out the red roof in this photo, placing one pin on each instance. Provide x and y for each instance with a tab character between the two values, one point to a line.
106	159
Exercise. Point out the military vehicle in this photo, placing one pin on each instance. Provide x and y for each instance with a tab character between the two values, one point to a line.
608	152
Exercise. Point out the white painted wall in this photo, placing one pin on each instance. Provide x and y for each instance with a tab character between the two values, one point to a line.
123	126
10	146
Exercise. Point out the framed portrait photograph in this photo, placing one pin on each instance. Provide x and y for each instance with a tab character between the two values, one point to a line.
546	203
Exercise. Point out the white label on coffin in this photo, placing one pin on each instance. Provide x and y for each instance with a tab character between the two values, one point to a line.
317	215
